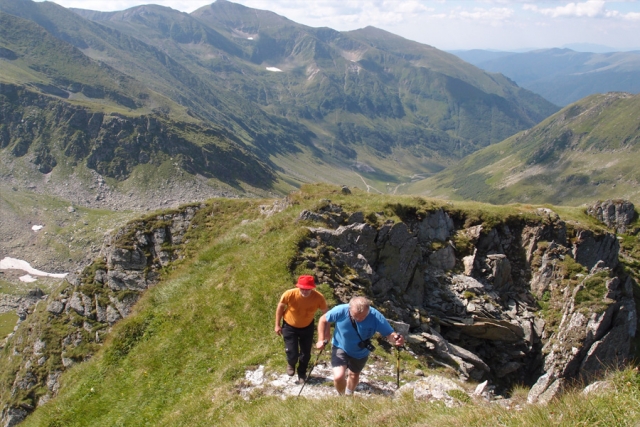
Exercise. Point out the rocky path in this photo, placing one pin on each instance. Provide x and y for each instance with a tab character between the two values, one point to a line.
319	385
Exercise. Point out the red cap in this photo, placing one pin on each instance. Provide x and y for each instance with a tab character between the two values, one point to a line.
306	282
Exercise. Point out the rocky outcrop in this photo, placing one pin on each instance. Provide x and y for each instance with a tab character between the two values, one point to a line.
90	303
615	214
472	295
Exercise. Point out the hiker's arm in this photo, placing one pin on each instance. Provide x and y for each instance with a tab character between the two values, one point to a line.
279	314
323	331
395	339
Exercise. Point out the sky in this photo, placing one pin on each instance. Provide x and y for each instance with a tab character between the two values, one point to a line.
509	25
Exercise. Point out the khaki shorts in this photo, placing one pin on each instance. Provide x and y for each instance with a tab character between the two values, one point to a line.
340	358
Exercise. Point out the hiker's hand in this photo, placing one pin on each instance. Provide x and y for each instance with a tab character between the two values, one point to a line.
398	340
278	330
321	344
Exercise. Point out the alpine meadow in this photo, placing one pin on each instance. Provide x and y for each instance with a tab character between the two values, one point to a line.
166	176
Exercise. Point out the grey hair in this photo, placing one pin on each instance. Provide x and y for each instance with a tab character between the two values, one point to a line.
359	304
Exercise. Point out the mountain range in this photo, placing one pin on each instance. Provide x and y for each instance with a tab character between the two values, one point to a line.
303	104
563	76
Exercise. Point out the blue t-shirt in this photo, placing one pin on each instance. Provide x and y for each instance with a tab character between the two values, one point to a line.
345	336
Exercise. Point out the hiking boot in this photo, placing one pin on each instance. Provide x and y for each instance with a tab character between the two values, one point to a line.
291	370
302	378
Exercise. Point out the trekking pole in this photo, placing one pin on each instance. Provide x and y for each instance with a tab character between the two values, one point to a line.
311	370
397	367
402	329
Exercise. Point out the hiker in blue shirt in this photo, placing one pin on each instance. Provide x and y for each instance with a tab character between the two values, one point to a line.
355	324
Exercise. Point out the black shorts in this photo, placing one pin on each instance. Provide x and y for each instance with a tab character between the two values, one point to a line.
339	357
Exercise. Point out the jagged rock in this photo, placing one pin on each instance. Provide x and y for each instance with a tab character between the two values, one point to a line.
124	306
356	238
345	190
614	347
437	225
468	263
76	303
38	346
112	315
547	275
552	391
126	259
306	215
500	271
491	329
101	312
14	416
589	248
539	387
397	259
119	280
481	388
278	206
101	276
464	360
73	279
616	214
87	306
160	237
52	381
55	307
443	259
355	218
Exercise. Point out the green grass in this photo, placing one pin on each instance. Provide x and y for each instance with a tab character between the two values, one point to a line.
7	323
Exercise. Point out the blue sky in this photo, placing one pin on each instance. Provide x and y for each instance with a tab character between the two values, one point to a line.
449	25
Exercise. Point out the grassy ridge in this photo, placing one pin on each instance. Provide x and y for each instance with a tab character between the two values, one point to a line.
176	360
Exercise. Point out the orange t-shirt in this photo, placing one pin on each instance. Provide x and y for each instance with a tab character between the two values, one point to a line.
300	310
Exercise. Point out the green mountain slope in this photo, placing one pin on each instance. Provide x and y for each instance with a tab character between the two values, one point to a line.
68	73
588	150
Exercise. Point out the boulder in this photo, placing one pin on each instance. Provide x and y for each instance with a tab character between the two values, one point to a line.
436	225
443	259
55	307
615	214
126	259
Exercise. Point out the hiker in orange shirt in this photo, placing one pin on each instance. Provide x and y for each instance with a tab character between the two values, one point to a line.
294	321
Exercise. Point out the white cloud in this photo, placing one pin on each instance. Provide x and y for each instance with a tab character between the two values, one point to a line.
631	16
588	9
486	15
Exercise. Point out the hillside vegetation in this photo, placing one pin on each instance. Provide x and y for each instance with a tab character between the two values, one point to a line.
180	358
586	151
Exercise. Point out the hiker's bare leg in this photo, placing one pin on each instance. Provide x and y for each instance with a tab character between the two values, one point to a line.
339	378
353	380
